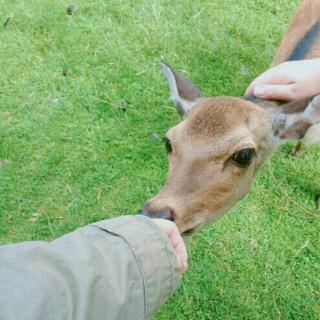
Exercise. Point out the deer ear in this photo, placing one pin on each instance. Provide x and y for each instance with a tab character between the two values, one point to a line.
294	126
184	93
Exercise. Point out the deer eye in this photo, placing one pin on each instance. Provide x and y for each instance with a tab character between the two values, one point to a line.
167	144
243	158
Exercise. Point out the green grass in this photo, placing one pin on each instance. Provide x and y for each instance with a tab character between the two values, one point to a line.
70	154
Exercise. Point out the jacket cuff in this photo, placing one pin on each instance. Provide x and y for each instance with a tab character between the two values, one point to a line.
154	255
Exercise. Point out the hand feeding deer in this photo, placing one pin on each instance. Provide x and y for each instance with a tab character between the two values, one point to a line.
215	152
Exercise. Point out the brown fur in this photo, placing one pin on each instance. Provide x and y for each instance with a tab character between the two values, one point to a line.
298	131
203	180
305	17
295	106
214	117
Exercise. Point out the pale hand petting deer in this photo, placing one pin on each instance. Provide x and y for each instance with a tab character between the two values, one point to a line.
215	152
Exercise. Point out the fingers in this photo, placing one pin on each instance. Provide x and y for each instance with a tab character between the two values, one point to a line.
180	248
288	81
173	234
279	75
275	92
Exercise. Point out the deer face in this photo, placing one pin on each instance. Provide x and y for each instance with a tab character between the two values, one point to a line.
215	152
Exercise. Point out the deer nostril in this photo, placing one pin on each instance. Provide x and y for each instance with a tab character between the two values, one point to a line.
167	214
141	211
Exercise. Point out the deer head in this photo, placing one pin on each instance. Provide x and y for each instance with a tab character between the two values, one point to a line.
215	152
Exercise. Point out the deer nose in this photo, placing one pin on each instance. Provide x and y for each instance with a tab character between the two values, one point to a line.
167	213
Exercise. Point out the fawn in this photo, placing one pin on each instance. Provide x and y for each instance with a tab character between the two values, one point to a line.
215	152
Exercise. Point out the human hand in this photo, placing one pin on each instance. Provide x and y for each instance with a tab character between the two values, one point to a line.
172	232
292	80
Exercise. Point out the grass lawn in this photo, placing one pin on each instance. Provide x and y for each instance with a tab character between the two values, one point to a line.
80	97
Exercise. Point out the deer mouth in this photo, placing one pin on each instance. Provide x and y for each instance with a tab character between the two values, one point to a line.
196	227
188	232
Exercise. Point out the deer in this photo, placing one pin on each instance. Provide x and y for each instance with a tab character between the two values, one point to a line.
216	150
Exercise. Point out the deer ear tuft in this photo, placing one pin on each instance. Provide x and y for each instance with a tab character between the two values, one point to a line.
294	126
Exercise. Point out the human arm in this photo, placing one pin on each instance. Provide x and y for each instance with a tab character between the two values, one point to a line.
292	80
123	268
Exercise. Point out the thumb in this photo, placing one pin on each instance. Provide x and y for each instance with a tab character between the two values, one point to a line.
275	92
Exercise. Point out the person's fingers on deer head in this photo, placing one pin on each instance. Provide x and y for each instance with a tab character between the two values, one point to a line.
173	234
273	76
304	75
275	92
